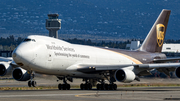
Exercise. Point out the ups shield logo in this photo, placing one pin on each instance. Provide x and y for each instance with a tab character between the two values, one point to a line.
160	28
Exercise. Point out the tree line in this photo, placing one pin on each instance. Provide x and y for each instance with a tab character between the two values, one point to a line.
10	43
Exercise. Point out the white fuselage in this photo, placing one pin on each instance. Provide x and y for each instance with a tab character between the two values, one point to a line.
53	56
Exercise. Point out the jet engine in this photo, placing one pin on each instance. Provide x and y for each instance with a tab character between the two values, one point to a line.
177	72
124	75
20	74
5	69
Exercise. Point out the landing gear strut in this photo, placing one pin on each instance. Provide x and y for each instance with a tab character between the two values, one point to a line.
64	86
32	83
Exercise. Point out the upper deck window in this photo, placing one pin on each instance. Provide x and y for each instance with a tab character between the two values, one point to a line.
27	39
168	48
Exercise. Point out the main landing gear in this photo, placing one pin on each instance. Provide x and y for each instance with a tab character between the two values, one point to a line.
65	85
101	86
111	85
32	83
89	83
104	86
86	86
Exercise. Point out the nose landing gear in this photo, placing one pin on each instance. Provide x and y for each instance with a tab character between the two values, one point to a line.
32	83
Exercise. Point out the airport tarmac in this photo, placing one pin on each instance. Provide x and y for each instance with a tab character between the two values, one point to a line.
75	94
52	81
123	94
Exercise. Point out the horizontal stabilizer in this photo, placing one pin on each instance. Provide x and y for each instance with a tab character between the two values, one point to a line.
166	60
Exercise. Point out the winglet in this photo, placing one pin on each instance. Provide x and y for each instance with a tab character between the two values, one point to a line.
155	38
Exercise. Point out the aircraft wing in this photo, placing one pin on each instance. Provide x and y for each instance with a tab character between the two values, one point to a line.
14	64
6	59
159	65
9	60
94	68
90	68
166	60
165	68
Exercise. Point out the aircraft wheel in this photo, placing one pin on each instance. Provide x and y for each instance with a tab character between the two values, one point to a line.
114	86
68	86
81	86
33	83
106	86
110	87
103	87
98	86
89	86
64	86
59	86
29	83
84	87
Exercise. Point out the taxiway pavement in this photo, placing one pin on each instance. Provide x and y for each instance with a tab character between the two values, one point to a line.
122	93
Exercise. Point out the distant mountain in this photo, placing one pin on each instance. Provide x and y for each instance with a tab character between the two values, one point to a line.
114	18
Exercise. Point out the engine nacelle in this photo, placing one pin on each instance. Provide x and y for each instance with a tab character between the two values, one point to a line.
5	69
177	72
124	75
20	74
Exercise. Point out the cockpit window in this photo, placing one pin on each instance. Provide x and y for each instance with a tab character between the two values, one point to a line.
27	39
33	40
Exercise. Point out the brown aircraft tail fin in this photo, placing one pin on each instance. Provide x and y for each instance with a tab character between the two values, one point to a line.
155	38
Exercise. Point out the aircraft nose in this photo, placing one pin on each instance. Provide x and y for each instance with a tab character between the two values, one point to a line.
23	55
17	55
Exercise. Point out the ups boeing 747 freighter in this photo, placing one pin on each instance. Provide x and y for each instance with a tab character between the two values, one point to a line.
50	56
